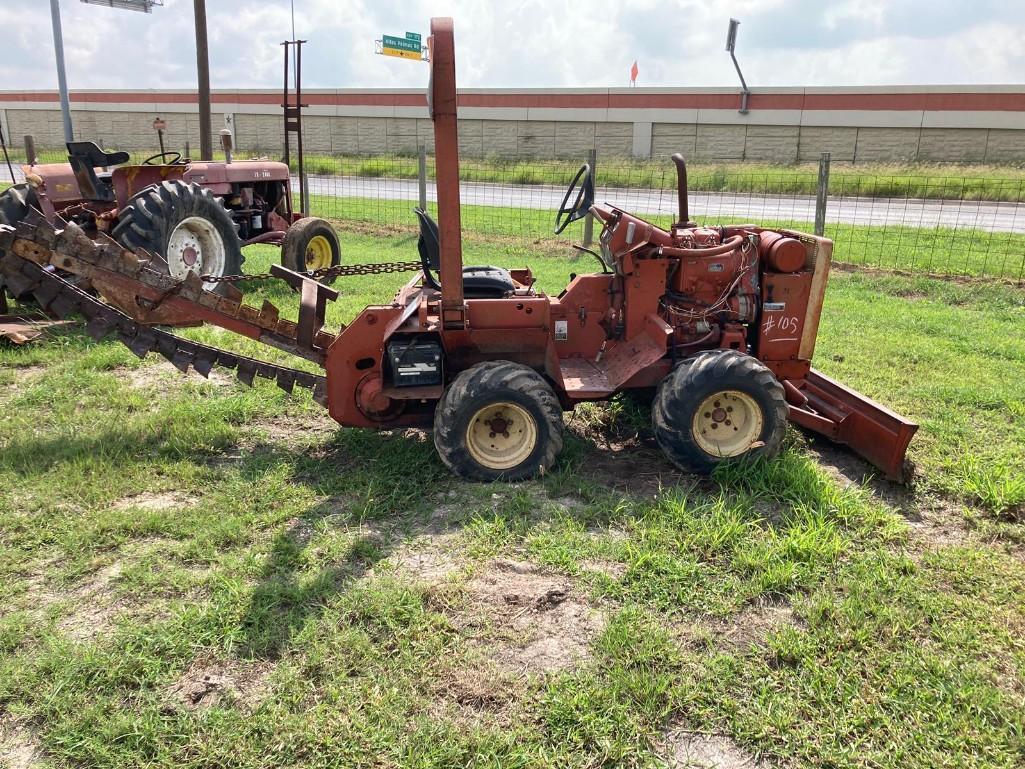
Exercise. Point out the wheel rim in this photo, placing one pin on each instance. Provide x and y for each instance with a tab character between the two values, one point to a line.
318	253
727	423
195	246
501	436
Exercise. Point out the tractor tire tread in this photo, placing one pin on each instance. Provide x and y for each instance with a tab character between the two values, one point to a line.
297	237
681	392
148	218
466	394
15	204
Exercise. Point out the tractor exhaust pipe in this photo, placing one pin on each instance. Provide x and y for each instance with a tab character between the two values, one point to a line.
226	144
681	189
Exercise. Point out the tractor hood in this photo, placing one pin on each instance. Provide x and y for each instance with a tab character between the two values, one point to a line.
220	176
62	187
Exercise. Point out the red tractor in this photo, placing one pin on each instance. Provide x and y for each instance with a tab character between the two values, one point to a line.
719	321
196	216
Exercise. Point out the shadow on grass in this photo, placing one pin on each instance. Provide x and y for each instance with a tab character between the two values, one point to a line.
389	487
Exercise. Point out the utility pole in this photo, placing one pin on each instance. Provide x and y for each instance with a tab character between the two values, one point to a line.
206	145
62	78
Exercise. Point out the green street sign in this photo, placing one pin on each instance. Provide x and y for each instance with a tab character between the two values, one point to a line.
414	36
400	43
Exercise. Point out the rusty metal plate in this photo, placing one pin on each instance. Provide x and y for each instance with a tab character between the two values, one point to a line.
22	329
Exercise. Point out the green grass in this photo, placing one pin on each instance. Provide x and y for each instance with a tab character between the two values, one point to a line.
153	528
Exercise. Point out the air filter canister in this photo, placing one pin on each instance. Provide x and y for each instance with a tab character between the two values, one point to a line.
781	253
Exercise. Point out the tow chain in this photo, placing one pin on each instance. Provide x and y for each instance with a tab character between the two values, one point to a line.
339	271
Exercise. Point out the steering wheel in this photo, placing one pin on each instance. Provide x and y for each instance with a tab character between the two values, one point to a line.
583	185
176	158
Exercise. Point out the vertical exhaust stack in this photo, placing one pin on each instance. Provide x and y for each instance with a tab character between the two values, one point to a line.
681	190
226	145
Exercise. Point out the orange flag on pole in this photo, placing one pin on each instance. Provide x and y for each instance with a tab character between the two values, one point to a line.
633	74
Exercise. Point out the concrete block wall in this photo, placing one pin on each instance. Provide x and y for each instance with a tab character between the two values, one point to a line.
930	124
402	136
120	129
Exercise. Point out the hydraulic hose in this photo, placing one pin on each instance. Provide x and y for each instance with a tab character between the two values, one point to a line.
731	244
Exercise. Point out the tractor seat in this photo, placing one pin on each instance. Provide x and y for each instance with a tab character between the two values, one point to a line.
85	158
89	153
479	282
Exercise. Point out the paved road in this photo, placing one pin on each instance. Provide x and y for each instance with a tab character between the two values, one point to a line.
705	206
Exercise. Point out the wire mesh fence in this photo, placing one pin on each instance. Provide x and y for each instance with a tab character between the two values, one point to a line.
918	221
925	224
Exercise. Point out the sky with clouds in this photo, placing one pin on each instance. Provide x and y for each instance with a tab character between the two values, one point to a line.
528	43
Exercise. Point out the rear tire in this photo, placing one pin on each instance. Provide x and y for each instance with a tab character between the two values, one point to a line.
186	225
311	244
719	405
498	421
15	204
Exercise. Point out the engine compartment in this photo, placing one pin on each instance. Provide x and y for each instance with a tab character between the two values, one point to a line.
741	287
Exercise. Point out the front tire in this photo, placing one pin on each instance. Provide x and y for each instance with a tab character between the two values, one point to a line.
311	244
719	405
186	225
498	421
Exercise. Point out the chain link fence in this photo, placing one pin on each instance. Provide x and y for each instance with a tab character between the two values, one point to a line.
926	222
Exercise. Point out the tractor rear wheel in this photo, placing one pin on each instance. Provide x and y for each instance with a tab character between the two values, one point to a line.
15	203
186	225
498	421
311	244
719	405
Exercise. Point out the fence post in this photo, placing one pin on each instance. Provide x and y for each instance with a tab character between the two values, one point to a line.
592	160
304	185
822	195
30	150
422	175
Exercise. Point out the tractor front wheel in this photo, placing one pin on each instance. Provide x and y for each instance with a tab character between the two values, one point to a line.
498	421
187	225
719	405
311	244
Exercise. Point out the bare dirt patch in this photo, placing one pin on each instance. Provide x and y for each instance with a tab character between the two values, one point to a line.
95	606
19	748
164	500
611	569
477	693
303	428
92	605
164	378
697	750
429	558
207	683
631	467
753	625
529	621
24	375
939	523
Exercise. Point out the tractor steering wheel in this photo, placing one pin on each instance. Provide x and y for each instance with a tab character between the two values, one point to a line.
176	158
583	185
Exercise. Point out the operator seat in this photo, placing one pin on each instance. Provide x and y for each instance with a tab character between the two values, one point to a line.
478	282
85	158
